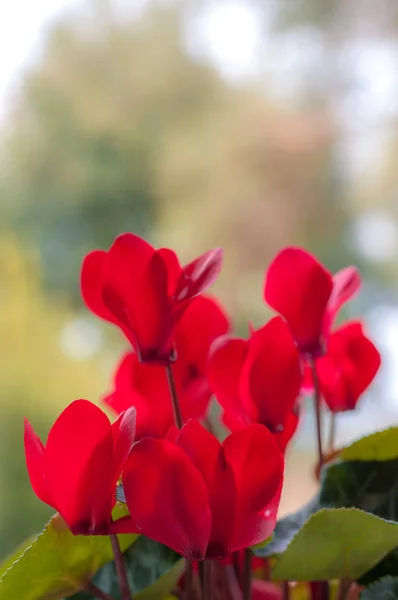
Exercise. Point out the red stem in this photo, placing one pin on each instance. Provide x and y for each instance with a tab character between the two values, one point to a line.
120	568
247	574
285	590
97	593
332	432
233	584
208	580
174	397
317	407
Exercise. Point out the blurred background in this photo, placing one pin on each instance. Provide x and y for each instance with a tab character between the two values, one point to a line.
247	124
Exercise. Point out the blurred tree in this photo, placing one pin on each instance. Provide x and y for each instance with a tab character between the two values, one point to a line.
256	180
87	126
38	379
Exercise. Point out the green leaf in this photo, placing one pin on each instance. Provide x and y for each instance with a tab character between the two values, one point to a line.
57	563
10	560
387	566
369	485
152	570
163	586
262	545
382	445
286	529
384	589
336	543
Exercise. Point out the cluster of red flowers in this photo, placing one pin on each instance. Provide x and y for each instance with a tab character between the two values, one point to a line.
183	488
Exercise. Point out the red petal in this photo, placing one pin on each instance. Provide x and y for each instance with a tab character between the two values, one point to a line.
271	375
194	397
227	356
34	453
258	467
139	296
234	421
78	459
289	429
151	395
121	398
367	360
298	287
123	430
348	368
91	281
128	258
167	497
198	275
172	434
203	321
345	285
307	386
207	454
124	371
173	267
145	387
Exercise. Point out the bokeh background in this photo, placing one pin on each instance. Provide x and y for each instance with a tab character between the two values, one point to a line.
237	123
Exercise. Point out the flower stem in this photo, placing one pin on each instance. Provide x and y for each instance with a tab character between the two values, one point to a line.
332	432
320	590
229	581
97	593
285	590
188	578
343	589
247	574
317	408
174	398
208	583
120	568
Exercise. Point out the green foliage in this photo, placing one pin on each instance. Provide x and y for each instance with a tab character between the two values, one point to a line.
286	529
57	563
369	485
336	543
31	328
384	589
263	544
89	129
152	571
387	566
382	445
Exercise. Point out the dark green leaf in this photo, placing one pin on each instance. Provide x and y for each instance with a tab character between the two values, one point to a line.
387	566
371	486
336	543
152	569
384	589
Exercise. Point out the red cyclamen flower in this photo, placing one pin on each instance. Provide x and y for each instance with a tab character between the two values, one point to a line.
348	368
77	471
146	387
145	291
258	380
308	296
202	498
